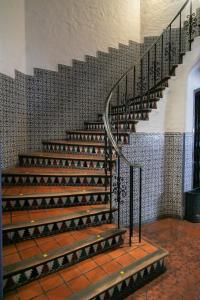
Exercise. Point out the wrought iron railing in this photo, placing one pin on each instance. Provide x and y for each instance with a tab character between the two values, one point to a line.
137	87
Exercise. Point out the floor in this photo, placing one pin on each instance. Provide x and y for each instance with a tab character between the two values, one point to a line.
180	282
182	279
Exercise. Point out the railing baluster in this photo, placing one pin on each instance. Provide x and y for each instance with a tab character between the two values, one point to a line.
118	114
141	83
111	174
134	79
155	62
140	207
148	80
106	160
162	52
126	101
169	48
118	189
131	207
180	39
190	27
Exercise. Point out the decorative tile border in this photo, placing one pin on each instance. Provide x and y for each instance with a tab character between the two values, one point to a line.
36	228
11	179
52	201
121	284
38	266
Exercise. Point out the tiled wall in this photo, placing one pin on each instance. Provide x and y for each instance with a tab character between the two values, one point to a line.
13	117
167	173
43	106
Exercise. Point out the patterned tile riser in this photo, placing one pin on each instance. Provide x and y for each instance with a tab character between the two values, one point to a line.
166	175
33	180
27	233
122	126
13	281
94	137
133	283
60	163
74	149
53	202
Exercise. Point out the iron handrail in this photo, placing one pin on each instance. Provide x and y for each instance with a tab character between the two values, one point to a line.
109	97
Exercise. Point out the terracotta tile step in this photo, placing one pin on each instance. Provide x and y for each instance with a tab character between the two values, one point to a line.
54	176
75	146
129	124
123	282
97	136
77	219
48	190
40	265
26	249
29	198
63	156
59	160
51	171
27	216
141	263
134	111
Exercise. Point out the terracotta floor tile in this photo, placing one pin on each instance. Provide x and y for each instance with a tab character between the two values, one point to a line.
125	260
138	253
41	297
117	252
149	248
11	249
79	283
48	246
111	267
86	265
51	281
25	245
70	273
30	252
59	293
95	275
102	259
11	259
29	291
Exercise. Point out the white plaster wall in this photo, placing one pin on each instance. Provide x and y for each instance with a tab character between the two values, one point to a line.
175	109
157	14
58	31
12	37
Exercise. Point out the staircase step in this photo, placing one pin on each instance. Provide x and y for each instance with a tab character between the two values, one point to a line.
53	176
74	146
40	198
45	159
125	281
37	266
128	124
136	105
96	136
136	114
29	226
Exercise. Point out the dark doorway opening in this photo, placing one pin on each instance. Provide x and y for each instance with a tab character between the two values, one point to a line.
196	170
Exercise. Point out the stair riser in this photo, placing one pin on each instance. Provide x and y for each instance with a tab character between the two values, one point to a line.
47	180
60	163
123	126
66	260
130	116
93	150
136	106
10	204
131	284
123	138
26	233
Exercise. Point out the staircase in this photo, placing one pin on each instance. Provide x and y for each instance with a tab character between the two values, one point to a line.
60	237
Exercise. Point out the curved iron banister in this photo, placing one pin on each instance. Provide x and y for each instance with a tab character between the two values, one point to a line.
188	27
109	97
